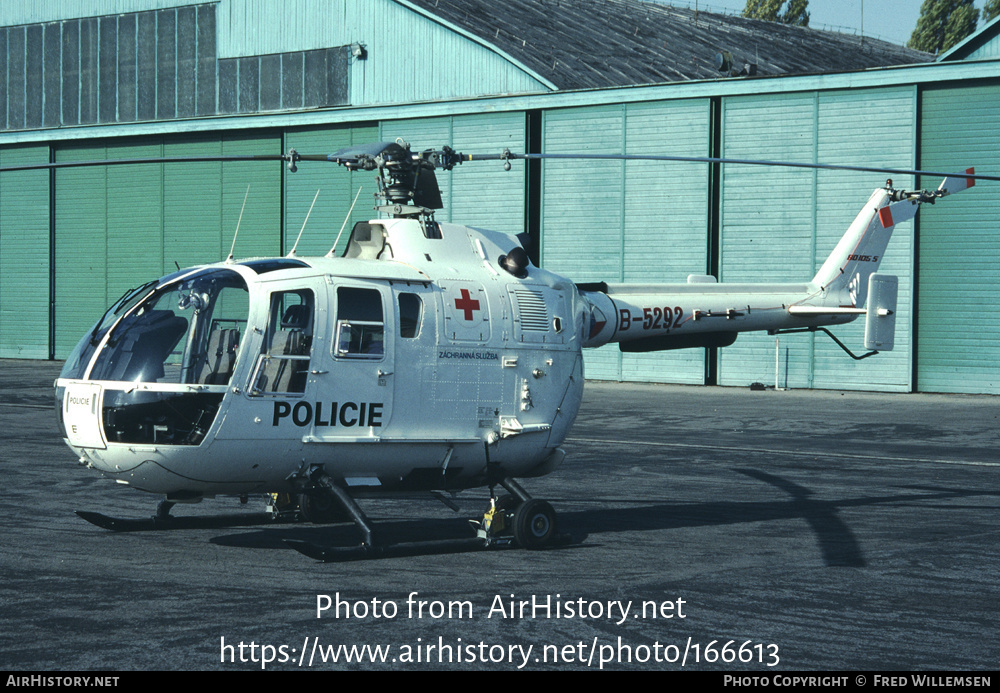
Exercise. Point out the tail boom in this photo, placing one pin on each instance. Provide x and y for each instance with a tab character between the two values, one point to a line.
704	313
678	316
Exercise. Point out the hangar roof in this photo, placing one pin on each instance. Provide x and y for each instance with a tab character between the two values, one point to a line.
982	44
579	44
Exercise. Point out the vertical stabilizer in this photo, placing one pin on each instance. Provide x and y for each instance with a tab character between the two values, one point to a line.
859	252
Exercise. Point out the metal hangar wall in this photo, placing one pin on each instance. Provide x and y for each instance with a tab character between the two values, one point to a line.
71	241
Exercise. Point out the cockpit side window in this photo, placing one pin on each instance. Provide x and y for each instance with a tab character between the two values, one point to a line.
283	365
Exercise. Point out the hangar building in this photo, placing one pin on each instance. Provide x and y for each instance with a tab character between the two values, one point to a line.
124	79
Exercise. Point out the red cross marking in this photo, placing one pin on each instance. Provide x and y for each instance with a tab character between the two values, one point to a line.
466	304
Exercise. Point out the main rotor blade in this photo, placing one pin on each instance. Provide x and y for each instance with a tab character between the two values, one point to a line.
722	160
151	160
504	156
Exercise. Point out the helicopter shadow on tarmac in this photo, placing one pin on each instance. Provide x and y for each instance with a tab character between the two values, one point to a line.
836	541
343	534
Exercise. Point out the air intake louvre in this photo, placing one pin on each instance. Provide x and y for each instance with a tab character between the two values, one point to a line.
532	310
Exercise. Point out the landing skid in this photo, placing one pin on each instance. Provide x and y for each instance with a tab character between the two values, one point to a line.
336	554
169	522
514	520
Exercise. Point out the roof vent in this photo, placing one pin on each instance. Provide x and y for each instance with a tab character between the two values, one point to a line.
724	64
724	61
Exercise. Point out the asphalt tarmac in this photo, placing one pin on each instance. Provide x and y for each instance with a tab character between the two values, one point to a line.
711	528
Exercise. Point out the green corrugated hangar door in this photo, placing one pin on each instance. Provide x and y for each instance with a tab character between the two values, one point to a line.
635	221
780	224
958	330
337	189
24	255
117	227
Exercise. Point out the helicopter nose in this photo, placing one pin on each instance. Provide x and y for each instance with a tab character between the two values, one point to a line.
138	468
80	414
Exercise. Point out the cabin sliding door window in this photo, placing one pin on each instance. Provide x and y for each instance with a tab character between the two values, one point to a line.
411	310
283	365
360	325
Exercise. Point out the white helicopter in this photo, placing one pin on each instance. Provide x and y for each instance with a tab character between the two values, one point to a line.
427	356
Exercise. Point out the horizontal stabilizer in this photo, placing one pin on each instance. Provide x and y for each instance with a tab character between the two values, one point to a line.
825	310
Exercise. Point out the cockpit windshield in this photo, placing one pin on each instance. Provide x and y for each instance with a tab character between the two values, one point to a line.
76	365
186	331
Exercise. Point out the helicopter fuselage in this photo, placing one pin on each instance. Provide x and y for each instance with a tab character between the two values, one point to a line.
388	373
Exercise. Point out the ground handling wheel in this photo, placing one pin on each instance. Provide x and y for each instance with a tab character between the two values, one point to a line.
320	508
534	524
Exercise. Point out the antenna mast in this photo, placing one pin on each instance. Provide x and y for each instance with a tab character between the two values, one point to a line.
238	222
344	225
291	253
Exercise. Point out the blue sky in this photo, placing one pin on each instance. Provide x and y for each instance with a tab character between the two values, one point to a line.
889	20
